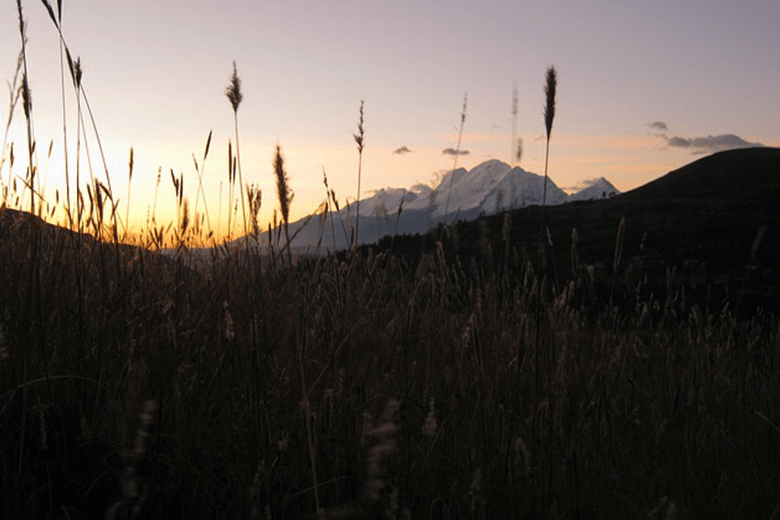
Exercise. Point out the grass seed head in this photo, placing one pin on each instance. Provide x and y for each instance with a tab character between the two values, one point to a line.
26	97
361	131
549	91
283	190
233	90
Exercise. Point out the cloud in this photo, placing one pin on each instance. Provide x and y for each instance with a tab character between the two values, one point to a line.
710	143
658	125
453	151
401	151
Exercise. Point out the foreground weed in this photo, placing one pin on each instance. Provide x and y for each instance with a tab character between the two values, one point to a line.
359	138
234	95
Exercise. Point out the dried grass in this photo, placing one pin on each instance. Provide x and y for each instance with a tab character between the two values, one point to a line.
132	383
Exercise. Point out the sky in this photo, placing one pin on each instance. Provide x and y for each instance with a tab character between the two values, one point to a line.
643	88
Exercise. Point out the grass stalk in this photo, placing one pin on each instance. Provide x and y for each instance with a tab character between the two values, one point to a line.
27	106
512	152
200	172
129	183
455	160
359	137
549	115
234	95
13	98
231	188
285	197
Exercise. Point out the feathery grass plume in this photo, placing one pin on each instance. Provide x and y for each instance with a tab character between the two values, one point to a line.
255	197
359	140
457	154
285	195
549	115
233	90
184	221
549	92
234	95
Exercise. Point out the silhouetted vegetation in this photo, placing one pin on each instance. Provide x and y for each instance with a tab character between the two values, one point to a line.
410	379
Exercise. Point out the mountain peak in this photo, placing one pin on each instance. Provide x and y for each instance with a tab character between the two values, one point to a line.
490	187
600	188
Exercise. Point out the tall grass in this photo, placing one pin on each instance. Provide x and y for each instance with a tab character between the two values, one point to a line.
284	194
456	154
359	139
269	390
427	383
27	107
234	95
550	86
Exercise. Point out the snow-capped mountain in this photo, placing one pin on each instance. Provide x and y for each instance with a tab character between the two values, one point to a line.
601	188
488	188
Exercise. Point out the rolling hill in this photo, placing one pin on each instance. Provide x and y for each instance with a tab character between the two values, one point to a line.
711	226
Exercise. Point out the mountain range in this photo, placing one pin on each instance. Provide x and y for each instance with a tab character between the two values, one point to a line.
491	187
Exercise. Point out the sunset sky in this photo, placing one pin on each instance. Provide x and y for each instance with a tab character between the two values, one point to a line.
644	88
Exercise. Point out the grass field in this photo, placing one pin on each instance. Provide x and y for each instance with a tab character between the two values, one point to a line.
368	384
128	380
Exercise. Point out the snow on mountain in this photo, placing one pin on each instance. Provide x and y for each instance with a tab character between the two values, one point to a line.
385	201
488	188
601	188
519	188
465	191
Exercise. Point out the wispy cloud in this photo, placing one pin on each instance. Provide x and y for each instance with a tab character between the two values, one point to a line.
658	125
710	143
453	151
402	150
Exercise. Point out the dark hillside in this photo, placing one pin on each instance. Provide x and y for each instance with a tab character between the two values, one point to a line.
711	226
736	175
